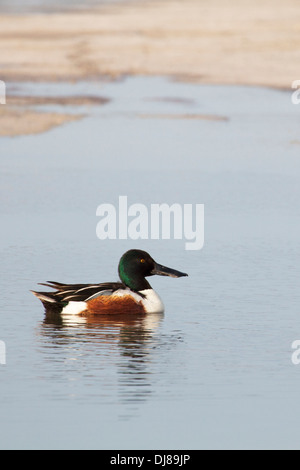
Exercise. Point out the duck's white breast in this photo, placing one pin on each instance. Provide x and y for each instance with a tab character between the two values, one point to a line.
152	302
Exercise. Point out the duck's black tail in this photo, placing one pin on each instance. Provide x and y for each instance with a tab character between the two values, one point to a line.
50	302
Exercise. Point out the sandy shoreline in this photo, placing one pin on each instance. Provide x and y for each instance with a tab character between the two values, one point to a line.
21	114
21	121
209	41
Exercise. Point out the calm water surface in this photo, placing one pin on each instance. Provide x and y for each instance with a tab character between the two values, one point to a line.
215	370
48	6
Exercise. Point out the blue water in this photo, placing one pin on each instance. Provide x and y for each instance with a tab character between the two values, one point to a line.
48	6
213	372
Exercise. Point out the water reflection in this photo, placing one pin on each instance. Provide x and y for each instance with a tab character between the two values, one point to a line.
100	351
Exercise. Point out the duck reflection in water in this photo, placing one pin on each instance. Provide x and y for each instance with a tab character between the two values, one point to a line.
122	343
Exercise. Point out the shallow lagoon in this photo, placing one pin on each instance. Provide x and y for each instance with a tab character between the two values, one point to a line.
215	370
49	6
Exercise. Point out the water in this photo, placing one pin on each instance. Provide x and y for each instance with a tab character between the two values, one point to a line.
49	6
213	372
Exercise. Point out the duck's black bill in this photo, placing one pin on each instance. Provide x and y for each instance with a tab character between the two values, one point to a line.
164	271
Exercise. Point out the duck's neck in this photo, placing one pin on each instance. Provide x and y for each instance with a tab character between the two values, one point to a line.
136	283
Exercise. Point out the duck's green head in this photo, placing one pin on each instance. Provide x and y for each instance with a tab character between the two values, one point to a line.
135	265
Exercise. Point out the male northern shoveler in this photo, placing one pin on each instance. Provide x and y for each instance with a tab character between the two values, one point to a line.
133	295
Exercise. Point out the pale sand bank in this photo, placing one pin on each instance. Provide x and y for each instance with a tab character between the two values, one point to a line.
21	114
19	121
201	117
251	42
208	41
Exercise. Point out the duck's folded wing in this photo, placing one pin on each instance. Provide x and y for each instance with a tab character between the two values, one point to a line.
77	292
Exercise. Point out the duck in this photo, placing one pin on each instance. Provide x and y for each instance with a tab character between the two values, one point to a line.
132	294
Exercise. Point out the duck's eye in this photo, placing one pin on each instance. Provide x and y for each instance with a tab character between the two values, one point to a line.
142	260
